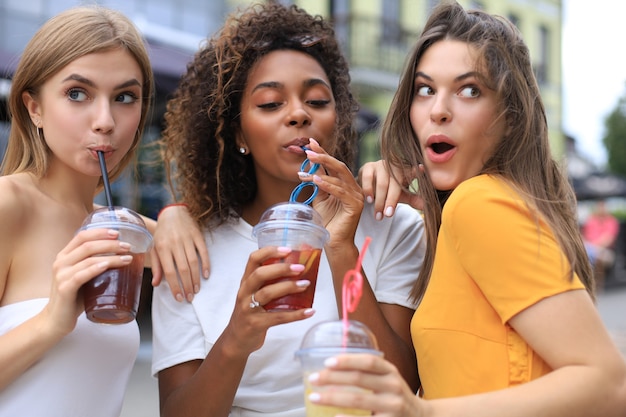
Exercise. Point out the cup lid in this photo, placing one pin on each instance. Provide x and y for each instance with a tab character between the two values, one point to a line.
131	226
335	334
289	214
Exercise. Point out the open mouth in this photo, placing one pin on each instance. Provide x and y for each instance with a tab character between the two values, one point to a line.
441	147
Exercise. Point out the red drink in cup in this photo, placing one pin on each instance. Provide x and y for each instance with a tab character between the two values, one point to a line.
113	296
310	258
299	227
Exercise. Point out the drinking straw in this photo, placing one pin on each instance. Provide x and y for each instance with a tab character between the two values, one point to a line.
312	169
352	289
105	179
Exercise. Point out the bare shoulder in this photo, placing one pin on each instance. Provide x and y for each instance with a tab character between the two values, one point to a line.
16	202
15	211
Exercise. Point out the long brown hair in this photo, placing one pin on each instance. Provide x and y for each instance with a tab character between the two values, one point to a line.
522	158
64	38
202	118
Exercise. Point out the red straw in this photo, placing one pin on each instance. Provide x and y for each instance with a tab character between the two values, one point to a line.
352	289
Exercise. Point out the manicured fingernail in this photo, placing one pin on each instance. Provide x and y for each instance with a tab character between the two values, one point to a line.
369	199
303	283
113	232
205	273
314	376
124	245
196	289
296	267
379	215
314	397
389	211
309	312
179	297
126	258
317	179
314	141
283	249
103	264
189	297
330	362
310	152
303	174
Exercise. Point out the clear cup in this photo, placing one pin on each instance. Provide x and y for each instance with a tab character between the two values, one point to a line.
113	296
325	340
299	227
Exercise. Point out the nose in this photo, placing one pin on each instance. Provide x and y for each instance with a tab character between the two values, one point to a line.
440	111
103	120
298	115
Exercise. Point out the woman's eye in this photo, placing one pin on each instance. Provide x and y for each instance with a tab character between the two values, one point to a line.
126	98
318	103
76	95
470	92
424	90
269	106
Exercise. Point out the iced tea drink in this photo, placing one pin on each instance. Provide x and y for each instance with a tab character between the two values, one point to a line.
113	296
299	227
310	258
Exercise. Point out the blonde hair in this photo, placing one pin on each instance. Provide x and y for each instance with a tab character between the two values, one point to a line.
64	38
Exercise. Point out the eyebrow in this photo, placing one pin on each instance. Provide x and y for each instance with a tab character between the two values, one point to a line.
275	84
75	77
456	79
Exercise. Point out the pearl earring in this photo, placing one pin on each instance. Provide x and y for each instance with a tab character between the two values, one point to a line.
242	150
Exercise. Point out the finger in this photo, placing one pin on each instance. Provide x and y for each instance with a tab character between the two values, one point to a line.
157	271
168	268
203	252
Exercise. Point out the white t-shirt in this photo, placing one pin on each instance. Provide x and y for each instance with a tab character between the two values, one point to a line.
272	381
84	375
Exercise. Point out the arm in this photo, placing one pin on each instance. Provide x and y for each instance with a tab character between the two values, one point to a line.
340	202
589	376
77	263
207	387
179	253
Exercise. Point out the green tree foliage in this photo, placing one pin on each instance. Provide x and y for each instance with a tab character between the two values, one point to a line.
615	138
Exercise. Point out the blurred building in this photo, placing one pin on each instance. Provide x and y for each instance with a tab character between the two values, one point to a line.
376	36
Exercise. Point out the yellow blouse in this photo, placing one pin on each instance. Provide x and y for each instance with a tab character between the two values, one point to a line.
494	259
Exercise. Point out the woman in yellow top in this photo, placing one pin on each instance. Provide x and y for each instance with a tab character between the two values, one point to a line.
506	324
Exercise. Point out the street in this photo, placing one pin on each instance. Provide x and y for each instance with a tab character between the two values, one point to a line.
142	393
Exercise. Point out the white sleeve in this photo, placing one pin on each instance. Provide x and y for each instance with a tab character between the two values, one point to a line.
397	253
177	335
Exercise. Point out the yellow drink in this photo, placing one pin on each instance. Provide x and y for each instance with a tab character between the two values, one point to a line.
314	410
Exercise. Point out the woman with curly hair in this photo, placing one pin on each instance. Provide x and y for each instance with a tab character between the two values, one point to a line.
270	82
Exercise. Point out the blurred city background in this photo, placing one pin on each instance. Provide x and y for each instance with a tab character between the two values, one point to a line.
586	113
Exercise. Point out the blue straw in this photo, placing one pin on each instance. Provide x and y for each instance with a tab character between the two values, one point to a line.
312	169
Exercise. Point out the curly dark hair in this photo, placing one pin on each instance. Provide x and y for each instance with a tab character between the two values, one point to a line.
198	143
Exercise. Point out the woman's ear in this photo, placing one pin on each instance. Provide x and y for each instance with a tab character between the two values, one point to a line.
33	107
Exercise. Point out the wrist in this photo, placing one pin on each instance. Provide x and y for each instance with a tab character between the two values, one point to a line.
172	205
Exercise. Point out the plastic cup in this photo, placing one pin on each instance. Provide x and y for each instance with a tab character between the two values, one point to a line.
325	340
113	296
299	227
